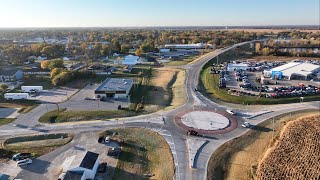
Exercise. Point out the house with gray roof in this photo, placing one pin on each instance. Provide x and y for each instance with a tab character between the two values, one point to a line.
11	75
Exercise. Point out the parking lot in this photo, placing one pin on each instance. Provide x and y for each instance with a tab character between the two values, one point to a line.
54	95
78	101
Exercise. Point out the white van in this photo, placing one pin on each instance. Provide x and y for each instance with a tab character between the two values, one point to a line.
24	162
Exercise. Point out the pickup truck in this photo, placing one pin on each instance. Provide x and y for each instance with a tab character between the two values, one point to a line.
114	151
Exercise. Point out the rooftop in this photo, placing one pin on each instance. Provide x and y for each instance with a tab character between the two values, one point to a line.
115	84
10	72
85	160
70	175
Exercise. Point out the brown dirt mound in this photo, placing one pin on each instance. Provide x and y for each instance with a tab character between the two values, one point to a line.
297	153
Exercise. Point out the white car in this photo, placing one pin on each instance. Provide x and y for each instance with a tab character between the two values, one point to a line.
246	125
107	140
24	162
232	112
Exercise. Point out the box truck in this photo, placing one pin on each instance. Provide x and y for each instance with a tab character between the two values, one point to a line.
31	89
15	96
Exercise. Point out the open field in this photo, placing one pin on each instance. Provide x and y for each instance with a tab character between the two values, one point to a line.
37	145
179	90
166	84
4	121
181	62
296	155
209	87
238	158
71	116
143	152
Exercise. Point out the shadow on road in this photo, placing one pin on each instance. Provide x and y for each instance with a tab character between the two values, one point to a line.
38	166
260	128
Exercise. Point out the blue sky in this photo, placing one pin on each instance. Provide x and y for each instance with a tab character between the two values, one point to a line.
110	13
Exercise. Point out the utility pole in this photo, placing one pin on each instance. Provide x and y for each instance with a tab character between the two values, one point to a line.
272	128
217	59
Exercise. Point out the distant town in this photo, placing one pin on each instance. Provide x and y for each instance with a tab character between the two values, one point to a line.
159	102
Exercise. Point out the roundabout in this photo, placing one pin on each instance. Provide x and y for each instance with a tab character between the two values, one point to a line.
206	121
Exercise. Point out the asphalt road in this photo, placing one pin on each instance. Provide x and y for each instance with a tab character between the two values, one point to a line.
28	123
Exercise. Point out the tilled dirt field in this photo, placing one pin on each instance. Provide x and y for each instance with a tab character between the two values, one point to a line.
296	155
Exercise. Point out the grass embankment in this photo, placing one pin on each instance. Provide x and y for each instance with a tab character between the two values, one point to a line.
210	83
181	62
38	145
238	158
24	105
4	121
143	152
71	116
158	88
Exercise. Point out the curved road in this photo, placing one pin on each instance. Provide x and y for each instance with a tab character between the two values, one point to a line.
28	123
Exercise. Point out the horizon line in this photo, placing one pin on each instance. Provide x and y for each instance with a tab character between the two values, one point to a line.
169	26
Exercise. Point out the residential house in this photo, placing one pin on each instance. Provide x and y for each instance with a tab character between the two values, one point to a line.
36	71
131	60
11	75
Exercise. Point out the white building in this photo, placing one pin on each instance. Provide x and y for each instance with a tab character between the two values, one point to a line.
114	87
293	70
16	96
81	166
188	46
131	60
240	66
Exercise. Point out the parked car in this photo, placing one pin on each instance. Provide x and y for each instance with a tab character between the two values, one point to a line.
24	162
107	140
114	151
246	125
21	156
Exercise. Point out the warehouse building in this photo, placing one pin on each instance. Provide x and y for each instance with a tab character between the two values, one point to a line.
114	87
293	70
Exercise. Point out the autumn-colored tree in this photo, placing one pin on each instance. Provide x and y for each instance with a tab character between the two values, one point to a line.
138	52
56	63
45	64
55	72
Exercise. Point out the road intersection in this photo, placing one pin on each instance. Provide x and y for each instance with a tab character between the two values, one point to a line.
164	122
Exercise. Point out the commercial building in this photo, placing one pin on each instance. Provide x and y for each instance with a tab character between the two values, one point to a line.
16	96
188	46
293	70
114	87
81	166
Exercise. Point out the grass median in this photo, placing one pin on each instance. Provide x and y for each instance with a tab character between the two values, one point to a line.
143	152
73	116
37	145
209	87
4	121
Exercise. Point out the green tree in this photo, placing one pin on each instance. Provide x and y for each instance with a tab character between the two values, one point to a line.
56	63
125	48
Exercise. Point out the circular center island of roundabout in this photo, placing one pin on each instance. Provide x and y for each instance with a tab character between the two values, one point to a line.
206	121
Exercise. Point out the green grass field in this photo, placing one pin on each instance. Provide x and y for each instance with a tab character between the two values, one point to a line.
72	116
143	152
4	121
